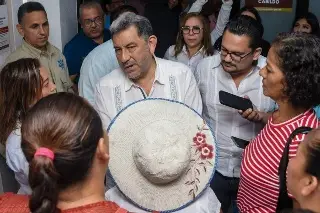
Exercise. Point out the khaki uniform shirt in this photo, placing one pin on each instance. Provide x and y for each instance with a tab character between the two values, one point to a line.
52	59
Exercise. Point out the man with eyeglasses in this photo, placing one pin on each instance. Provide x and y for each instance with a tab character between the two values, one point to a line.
234	70
91	19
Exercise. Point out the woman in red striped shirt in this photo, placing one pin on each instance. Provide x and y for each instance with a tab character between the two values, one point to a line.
291	79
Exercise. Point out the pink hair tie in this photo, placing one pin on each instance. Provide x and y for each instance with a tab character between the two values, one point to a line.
42	151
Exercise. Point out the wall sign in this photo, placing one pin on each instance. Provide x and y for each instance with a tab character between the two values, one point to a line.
4	29
271	5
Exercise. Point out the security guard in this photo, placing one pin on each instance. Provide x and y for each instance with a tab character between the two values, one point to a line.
34	28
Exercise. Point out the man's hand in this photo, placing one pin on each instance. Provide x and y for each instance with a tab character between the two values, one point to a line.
251	115
254	115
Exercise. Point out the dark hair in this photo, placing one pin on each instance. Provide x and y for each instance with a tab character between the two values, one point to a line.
104	2
67	125
299	60
124	8
246	26
89	5
255	12
128	19
252	10
312	20
20	87
29	7
206	41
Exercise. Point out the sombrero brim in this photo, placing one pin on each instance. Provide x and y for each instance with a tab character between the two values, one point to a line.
125	129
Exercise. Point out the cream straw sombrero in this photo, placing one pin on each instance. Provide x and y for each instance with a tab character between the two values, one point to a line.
162	154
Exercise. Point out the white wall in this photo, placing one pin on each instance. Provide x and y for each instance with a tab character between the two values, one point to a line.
68	20
53	11
62	16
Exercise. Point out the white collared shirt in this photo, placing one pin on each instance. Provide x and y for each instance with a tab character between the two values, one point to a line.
183	57
173	81
225	121
17	161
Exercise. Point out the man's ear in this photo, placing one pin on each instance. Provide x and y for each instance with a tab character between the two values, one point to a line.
257	53
20	29
152	43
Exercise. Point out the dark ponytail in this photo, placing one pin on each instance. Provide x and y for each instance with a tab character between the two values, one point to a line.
43	181
69	127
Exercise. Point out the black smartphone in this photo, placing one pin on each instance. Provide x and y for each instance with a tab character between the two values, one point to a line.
234	101
240	142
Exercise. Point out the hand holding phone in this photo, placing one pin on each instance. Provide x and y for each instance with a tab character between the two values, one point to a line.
234	101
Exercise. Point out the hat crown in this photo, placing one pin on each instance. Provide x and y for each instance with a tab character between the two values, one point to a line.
162	154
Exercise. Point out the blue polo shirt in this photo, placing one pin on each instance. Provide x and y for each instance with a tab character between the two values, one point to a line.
78	48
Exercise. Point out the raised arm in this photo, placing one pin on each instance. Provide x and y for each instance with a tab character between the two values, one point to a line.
222	21
197	6
223	17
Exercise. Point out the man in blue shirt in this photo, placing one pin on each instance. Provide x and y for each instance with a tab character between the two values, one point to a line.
100	61
93	34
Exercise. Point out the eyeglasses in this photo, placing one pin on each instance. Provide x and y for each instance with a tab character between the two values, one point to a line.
97	20
234	56
194	29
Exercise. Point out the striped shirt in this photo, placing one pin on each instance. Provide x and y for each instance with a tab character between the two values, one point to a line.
259	182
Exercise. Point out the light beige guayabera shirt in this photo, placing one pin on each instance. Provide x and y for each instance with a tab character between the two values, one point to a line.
52	59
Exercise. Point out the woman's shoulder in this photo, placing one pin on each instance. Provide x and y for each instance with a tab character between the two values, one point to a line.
14	139
169	53
10	202
103	206
310	119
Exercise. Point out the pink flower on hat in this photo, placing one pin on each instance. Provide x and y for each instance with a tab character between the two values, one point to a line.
206	151
199	140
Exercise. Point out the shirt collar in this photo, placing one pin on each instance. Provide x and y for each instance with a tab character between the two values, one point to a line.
158	76
184	49
36	52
